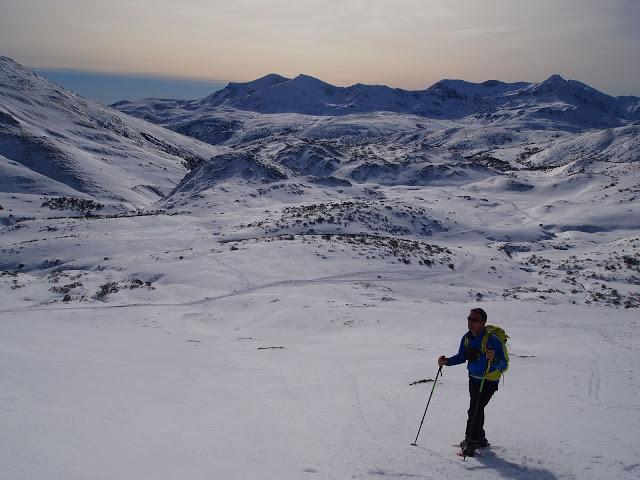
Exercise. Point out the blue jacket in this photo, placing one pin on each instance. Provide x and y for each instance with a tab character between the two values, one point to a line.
478	367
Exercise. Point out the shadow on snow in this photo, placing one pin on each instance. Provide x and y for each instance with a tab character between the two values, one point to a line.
511	470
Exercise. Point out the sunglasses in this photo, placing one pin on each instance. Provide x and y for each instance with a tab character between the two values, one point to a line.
474	320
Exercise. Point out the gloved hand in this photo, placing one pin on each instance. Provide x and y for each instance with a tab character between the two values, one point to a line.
491	355
442	360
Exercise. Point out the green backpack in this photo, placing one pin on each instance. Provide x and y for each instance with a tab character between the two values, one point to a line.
502	336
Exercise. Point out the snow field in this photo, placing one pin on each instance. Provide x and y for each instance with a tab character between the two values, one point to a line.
195	391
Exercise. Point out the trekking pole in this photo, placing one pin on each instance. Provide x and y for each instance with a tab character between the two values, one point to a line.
475	410
429	401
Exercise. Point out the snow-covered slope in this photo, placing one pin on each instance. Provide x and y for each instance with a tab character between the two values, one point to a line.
54	142
617	145
517	185
278	311
402	163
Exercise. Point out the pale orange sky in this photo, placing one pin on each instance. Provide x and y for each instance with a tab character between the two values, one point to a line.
401	43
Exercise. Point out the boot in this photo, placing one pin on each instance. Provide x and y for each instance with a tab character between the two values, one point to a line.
469	450
482	443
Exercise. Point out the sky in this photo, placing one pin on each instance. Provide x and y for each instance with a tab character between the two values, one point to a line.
109	88
401	43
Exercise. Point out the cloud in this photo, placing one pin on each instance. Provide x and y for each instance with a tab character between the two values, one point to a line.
405	43
492	31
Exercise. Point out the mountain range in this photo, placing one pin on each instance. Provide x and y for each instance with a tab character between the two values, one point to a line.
555	98
275	129
518	125
258	284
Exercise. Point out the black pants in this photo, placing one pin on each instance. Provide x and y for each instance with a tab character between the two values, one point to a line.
475	431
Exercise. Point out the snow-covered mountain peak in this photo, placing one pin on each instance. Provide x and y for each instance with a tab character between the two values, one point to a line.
555	79
7	64
263	82
272	78
307	82
557	86
492	83
461	89
239	89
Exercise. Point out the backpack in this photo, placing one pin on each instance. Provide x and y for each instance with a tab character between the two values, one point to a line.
502	336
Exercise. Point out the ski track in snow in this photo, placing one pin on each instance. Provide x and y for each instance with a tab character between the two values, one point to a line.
248	283
352	277
594	385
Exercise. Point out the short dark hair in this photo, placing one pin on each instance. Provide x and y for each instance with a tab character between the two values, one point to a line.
481	312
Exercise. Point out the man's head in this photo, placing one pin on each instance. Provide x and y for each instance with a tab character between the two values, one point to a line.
476	321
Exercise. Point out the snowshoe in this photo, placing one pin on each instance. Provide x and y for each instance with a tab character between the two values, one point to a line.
483	443
469	451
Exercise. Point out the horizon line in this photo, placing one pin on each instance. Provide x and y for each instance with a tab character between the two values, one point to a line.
204	80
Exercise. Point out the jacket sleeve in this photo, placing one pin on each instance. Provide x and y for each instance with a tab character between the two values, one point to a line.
500	362
458	358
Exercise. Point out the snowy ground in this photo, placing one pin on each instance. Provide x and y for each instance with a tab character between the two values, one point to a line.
180	381
188	344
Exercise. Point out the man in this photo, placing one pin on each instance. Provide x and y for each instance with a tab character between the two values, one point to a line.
485	362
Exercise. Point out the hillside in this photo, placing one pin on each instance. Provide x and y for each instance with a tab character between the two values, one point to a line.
53	142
